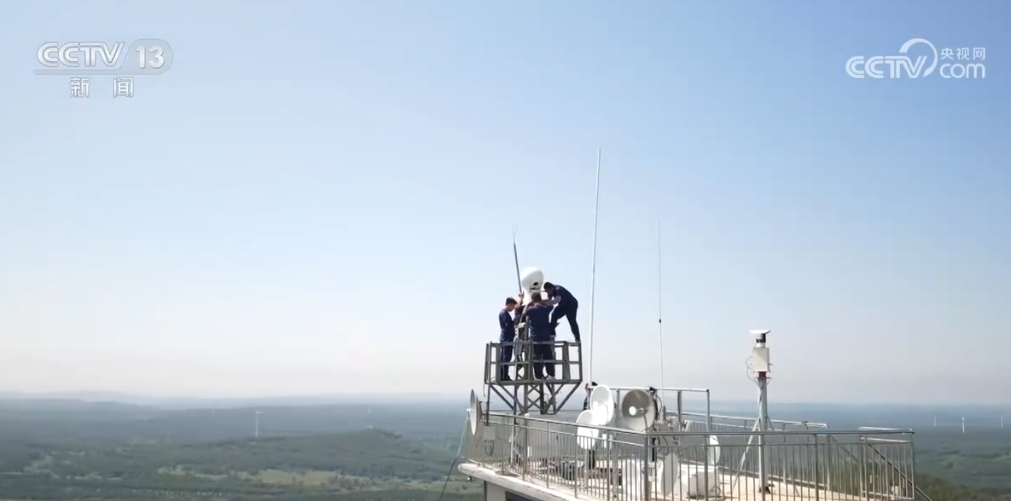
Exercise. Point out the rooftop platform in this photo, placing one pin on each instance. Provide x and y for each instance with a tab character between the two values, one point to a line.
542	458
524	393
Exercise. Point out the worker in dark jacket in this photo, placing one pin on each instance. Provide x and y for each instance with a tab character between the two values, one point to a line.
566	306
506	336
538	317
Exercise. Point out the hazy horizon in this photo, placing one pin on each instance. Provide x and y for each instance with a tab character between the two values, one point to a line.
694	401
320	197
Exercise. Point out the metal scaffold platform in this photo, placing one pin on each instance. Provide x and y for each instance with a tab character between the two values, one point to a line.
524	393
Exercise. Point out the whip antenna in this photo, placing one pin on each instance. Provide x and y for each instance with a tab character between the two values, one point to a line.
593	264
516	259
659	302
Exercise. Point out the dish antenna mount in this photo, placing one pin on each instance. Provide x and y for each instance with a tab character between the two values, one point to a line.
474	413
602	403
587	435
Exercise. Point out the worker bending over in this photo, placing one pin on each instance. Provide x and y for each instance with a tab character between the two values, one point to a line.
506	337
565	306
538	317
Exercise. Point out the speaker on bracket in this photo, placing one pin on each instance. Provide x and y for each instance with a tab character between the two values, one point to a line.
638	410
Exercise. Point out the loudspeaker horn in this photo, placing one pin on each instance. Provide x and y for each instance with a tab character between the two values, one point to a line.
638	410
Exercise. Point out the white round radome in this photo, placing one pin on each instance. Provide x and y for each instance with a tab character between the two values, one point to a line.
532	279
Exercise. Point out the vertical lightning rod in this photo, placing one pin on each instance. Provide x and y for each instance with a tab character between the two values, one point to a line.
593	264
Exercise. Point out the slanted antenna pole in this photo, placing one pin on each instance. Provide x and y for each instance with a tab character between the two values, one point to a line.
659	302
516	259
593	265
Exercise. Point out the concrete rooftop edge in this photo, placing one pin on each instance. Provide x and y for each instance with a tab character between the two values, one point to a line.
517	485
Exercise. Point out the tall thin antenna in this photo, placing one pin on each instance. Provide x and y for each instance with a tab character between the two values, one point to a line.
593	264
659	303
516	259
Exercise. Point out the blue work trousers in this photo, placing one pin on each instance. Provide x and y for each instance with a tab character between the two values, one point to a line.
544	357
569	313
505	356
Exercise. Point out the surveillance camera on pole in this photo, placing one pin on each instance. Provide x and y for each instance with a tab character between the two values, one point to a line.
760	365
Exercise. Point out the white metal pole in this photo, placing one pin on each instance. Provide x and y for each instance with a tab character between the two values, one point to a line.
763	422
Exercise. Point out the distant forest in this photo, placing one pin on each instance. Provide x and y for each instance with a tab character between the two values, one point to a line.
70	450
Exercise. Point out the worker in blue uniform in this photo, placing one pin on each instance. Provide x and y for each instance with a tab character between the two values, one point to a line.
566	306
506	337
538	317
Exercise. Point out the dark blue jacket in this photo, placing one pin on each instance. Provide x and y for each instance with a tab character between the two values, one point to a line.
565	298
505	323
539	319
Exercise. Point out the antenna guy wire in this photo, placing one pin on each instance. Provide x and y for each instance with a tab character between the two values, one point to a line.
593	265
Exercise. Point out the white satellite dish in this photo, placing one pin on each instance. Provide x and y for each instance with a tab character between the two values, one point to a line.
532	279
638	410
714	450
586	435
602	403
474	412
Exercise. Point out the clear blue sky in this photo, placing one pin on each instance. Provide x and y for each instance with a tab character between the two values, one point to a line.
319	196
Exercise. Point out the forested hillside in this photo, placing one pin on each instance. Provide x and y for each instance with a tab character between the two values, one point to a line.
70	451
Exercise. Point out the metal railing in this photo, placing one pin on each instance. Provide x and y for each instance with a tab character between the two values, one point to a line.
724	462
